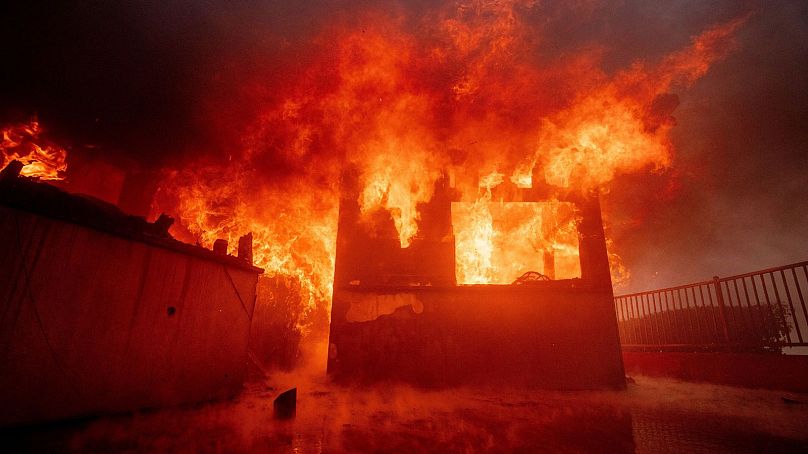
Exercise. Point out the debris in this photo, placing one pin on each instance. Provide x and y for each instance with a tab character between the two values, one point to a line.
789	401
531	277
285	404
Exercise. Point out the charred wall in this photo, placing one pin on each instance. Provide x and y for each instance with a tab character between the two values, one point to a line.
397	313
554	337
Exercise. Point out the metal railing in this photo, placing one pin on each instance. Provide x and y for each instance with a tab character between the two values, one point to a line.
762	311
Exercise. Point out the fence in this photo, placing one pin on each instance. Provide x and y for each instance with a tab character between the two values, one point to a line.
762	311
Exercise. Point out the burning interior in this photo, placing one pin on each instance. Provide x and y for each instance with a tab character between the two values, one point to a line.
431	308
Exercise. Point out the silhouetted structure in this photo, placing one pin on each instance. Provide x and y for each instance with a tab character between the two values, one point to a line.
398	313
105	312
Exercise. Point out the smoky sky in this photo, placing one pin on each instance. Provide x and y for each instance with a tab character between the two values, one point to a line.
162	82
734	199
138	76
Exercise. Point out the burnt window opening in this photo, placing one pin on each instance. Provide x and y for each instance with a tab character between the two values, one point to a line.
499	242
510	236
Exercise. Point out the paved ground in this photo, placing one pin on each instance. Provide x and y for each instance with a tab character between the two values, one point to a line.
653	415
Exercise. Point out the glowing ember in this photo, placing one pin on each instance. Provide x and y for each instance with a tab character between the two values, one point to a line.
40	158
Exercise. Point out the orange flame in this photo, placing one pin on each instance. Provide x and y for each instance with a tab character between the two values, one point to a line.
40	158
294	232
465	94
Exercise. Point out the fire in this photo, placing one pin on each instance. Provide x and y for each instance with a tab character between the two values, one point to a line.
40	158
496	242
293	232
457	92
396	185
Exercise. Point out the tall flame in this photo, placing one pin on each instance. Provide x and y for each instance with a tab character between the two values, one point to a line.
460	91
294	231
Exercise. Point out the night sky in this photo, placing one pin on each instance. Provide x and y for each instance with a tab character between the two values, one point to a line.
141	80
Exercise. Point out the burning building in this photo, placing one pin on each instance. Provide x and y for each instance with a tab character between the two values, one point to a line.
105	312
441	194
398	313
453	177
427	177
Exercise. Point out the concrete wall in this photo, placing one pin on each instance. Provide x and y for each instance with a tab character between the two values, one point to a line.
549	336
398	315
749	370
91	322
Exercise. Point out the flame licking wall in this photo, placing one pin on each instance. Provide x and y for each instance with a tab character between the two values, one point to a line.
473	91
403	100
397	313
406	101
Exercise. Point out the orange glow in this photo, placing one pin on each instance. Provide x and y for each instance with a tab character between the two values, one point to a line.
293	232
496	242
40	158
465	94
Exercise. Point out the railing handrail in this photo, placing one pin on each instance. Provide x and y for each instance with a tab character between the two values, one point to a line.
765	271
727	314
666	289
720	279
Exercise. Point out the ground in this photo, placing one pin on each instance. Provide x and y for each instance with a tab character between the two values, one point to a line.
652	415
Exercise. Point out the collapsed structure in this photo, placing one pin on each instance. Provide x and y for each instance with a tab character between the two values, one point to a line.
399	314
105	312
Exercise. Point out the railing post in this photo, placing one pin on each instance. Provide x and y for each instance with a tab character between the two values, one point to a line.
719	295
